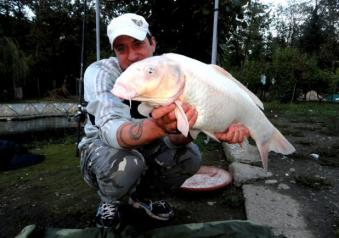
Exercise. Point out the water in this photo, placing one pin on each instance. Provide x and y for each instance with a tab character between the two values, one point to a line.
35	125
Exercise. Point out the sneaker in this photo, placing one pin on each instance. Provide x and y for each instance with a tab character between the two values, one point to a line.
159	210
108	216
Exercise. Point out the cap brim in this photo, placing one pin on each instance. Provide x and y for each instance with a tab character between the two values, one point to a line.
137	34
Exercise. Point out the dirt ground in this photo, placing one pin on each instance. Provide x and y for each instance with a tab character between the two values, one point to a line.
312	173
313	181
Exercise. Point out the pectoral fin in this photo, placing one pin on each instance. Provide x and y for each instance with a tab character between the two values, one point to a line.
144	109
182	122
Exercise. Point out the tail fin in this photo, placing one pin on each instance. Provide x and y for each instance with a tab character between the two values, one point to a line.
277	143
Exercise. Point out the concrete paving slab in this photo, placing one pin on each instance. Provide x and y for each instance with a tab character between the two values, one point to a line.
267	207
244	153
244	173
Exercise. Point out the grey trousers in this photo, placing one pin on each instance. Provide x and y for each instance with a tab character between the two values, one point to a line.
117	173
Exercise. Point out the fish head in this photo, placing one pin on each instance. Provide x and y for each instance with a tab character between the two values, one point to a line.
157	80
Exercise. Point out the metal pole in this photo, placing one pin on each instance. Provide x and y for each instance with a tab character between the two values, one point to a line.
80	114
215	33
97	10
82	53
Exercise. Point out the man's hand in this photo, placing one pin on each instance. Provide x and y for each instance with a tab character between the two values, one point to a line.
163	123
165	118
234	134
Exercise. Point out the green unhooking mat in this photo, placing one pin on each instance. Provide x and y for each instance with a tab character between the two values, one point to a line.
230	228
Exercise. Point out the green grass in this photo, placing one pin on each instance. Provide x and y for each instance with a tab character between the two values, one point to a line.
57	178
50	193
304	109
324	114
58	157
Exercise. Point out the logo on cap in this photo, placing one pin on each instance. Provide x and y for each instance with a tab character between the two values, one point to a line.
137	22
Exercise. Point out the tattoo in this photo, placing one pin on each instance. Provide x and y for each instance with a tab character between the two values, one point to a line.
135	131
121	142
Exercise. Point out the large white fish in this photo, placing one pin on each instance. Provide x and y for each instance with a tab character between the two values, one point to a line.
218	97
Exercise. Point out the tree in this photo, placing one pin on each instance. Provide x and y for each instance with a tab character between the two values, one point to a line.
248	41
313	35
49	38
287	68
288	22
55	41
329	49
183	26
296	72
13	66
320	33
250	74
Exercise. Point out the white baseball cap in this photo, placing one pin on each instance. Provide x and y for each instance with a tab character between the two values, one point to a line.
129	24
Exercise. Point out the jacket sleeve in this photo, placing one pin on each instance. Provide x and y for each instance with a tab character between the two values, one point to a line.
108	110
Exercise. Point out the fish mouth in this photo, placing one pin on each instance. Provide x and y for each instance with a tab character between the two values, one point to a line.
123	91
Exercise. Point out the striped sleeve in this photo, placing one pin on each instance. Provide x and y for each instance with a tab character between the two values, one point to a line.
109	111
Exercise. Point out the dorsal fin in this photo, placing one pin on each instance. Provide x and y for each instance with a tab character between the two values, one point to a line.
254	97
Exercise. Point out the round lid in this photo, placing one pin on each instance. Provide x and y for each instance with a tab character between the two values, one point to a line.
208	178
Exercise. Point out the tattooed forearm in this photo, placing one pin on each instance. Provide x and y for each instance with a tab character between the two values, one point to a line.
129	133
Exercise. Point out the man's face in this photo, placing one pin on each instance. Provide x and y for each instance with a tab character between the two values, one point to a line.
129	50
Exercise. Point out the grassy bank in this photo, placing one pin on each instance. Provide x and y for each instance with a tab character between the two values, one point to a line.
304	108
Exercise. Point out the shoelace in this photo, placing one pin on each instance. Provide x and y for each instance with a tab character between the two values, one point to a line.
161	203
108	210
